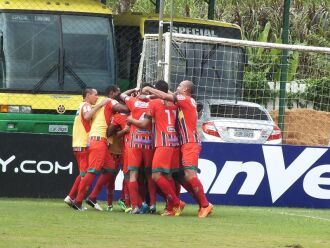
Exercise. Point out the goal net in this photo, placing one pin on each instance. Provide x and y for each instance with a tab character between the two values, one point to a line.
240	70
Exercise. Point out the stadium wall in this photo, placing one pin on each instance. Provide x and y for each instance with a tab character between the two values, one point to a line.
43	166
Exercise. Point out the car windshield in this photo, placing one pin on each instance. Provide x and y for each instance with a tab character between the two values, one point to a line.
55	53
237	112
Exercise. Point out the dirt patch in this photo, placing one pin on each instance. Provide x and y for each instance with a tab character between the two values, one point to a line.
305	127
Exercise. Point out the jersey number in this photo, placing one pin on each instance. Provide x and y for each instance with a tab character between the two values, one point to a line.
168	112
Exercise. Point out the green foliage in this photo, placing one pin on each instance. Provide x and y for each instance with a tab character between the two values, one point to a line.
318	92
256	88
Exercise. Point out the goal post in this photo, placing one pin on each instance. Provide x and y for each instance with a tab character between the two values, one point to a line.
245	70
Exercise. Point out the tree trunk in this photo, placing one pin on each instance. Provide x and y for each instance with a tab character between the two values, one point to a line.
125	5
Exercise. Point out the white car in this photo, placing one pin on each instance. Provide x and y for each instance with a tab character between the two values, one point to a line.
236	122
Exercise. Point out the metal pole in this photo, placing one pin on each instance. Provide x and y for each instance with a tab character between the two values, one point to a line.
160	42
211	10
170	50
158	6
284	64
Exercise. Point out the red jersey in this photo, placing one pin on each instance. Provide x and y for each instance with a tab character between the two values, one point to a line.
119	119
187	119
164	114
139	138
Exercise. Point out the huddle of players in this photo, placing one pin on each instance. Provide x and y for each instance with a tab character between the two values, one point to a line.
160	138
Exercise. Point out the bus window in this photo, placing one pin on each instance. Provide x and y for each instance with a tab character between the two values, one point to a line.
34	56
88	62
30	49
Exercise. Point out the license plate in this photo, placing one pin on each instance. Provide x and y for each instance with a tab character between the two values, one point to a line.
58	128
244	133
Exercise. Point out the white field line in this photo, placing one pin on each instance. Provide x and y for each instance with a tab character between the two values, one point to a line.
286	213
305	216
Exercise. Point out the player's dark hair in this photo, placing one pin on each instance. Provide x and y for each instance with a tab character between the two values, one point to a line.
162	86
145	85
87	90
111	88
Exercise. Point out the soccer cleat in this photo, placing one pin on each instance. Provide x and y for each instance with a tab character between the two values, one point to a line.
135	210
152	209
122	205
204	212
168	213
109	208
68	201
144	208
78	207
93	204
178	210
128	210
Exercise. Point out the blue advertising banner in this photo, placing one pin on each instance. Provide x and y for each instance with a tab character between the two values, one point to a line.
266	175
232	174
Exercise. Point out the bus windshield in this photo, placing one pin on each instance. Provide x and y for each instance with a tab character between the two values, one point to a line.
55	53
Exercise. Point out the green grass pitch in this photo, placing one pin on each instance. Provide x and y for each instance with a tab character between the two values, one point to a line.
50	223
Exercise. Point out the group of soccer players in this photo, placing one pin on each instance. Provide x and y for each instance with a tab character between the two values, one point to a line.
160	147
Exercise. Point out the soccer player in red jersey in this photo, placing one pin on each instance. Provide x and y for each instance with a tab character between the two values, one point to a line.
190	141
167	152
81	128
120	129
140	153
99	159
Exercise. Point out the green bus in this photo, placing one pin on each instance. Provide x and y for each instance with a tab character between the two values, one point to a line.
206	64
50	51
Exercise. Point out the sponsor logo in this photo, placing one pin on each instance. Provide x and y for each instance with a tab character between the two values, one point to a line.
33	166
140	104
281	177
60	109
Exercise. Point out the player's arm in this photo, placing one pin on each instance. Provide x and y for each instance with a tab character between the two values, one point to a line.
159	94
88	115
112	129
127	93
121	108
143	123
124	131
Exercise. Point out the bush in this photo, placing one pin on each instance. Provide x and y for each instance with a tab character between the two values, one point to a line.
318	92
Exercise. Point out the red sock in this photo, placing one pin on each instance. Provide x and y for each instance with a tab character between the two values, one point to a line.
168	189
84	185
74	189
152	190
126	193
189	188
110	188
198	191
134	193
101	181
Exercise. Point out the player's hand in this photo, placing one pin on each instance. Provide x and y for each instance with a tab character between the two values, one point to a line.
145	90
127	128
129	119
105	101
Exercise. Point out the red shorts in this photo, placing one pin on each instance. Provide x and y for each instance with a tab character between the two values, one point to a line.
82	161
166	159
190	154
139	158
99	159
